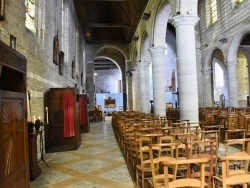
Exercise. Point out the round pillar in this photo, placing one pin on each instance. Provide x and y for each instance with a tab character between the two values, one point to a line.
186	66
232	84
159	76
144	86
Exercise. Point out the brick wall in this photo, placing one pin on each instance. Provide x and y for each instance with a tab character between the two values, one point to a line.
38	48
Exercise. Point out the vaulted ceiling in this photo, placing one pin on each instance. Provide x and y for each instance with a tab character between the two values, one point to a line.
109	21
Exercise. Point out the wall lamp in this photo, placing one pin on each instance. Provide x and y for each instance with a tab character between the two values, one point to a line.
135	38
223	40
145	16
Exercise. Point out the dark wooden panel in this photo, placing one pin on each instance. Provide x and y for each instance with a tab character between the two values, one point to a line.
54	131
14	164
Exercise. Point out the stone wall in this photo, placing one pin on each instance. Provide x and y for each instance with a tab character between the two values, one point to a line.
38	47
233	19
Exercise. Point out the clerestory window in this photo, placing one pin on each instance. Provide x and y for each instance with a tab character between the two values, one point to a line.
213	11
30	15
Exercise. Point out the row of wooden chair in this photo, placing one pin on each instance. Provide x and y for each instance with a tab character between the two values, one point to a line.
139	141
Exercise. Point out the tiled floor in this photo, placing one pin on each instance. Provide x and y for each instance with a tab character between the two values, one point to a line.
98	163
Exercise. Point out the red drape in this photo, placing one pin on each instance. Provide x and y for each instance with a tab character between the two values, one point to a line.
82	114
68	115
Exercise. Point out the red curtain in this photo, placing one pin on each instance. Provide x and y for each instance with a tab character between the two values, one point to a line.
68	115
82	112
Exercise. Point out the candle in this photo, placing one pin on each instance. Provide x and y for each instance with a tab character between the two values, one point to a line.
34	118
47	115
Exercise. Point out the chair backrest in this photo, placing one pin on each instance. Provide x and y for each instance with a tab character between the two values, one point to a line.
198	150
240	143
188	181
156	157
237	176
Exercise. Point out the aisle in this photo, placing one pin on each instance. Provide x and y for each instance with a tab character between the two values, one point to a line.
98	163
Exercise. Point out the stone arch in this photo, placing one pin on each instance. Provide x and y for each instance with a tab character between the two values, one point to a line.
234	46
111	59
160	24
93	50
145	46
209	57
135	58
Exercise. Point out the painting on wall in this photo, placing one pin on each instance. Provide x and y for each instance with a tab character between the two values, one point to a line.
61	62
109	103
73	68
2	3
56	49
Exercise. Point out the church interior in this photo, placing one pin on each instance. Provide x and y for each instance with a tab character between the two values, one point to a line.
124	93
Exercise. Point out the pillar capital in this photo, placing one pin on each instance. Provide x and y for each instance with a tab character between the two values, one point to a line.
185	20
231	63
206	72
135	72
144	63
157	49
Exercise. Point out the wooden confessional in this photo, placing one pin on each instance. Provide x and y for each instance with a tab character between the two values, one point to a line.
14	163
62	133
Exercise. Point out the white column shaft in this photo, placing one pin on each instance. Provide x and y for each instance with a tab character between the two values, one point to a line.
232	84
159	76
129	87
186	66
144	86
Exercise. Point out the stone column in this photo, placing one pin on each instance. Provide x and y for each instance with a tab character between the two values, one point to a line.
186	66
232	84
90	84
136	91
129	86
159	76
207	88
144	86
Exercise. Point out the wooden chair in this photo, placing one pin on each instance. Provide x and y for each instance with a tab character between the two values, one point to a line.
233	164
229	177
198	150
156	158
143	169
237	133
187	181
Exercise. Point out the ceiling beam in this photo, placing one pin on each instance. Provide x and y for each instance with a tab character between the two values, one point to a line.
106	25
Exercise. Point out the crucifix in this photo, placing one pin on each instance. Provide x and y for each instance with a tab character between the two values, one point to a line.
177	94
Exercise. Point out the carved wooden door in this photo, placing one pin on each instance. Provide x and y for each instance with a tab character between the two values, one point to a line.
13	156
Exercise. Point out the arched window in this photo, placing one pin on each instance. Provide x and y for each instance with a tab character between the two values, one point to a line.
30	15
77	50
65	29
213	11
219	75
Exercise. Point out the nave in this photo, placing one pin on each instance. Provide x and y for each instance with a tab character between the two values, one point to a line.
98	163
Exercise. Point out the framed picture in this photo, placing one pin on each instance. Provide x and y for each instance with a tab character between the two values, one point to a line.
73	68
110	103
12	42
56	49
61	62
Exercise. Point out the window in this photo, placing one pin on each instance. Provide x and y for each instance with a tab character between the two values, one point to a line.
213	11
77	50
219	75
30	15
65	29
